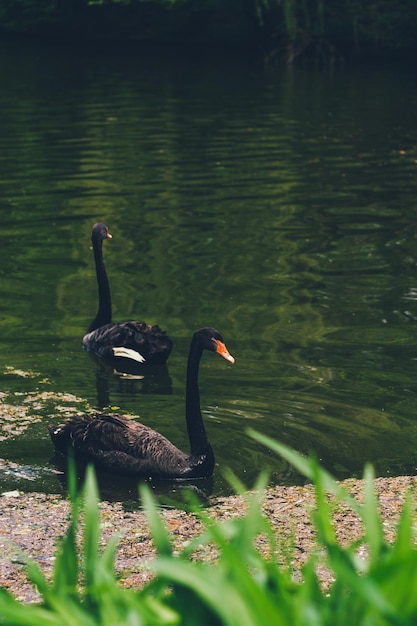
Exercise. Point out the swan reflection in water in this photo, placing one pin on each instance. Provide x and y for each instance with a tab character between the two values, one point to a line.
131	380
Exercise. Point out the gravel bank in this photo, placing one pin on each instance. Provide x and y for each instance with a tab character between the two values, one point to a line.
32	523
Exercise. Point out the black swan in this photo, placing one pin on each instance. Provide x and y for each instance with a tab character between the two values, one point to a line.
120	444
135	341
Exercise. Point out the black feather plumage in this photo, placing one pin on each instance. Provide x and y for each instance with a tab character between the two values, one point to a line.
123	445
136	341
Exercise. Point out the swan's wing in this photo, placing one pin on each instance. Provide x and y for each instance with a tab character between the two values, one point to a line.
121	444
144	341
124	463
128	353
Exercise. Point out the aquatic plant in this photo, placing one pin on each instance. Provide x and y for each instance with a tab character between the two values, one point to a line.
376	590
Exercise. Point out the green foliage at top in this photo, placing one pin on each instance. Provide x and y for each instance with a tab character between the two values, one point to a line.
242	588
290	29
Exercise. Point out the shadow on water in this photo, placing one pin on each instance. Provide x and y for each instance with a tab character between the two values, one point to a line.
129	378
119	488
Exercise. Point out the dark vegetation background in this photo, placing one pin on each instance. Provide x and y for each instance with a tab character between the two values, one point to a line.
289	30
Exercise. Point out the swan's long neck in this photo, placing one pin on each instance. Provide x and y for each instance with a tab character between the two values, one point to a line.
199	444
104	299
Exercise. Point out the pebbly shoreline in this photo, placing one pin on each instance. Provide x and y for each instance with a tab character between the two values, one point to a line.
31	524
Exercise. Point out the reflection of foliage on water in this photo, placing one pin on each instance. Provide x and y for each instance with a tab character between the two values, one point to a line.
259	27
266	205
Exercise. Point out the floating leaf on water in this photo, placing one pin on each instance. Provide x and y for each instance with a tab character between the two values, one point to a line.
15	419
11	494
10	370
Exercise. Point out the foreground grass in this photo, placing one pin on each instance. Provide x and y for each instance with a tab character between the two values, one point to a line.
242	588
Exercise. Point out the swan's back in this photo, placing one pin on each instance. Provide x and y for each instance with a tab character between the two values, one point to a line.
152	343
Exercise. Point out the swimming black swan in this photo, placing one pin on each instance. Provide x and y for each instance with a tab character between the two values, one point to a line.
121	444
136	341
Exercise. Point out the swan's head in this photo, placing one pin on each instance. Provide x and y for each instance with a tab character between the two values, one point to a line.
60	437
211	339
100	232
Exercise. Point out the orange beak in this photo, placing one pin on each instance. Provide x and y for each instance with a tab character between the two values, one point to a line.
223	351
108	234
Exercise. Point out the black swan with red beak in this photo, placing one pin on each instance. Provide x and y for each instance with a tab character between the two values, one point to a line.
120	444
135	341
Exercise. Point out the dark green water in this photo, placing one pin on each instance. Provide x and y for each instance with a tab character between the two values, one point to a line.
278	206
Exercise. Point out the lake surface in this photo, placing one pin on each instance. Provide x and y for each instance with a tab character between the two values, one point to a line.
276	205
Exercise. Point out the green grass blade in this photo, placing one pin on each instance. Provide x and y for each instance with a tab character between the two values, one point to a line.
13	613
159	532
371	518
304	466
322	515
66	569
405	535
232	603
91	529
